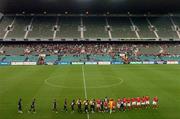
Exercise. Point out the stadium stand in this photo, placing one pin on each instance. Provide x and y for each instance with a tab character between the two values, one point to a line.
11	50
51	58
150	49
143	26
121	27
1	57
74	58
164	27
15	58
76	52
68	27
173	50
149	58
101	57
42	27
32	58
95	27
19	27
176	21
5	22
170	58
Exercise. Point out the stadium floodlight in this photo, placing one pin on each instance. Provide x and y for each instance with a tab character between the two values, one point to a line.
45	12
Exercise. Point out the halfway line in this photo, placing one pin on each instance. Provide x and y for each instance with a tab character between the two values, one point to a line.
85	91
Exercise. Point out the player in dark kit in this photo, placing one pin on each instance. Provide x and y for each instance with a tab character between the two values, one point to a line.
102	105
72	105
79	104
65	105
55	106
122	105
20	106
32	108
92	105
86	105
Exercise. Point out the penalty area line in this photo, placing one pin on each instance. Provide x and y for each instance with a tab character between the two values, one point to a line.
85	88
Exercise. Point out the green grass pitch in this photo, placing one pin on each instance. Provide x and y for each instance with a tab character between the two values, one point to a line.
48	82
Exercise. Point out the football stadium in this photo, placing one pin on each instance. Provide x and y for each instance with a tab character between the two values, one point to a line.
89	59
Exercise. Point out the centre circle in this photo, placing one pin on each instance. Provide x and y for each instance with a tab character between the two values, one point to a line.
96	83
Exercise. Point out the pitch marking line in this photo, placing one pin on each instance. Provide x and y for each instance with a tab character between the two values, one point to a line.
84	81
90	87
85	89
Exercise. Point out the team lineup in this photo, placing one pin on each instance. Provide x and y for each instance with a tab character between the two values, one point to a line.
108	105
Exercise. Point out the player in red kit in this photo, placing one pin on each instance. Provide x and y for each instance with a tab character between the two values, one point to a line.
106	106
114	106
125	103
133	102
155	102
138	99
147	101
143	102
129	103
98	105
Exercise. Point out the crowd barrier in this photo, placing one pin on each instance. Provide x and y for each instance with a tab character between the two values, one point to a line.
5	63
172	62
77	62
117	62
104	63
148	62
89	63
62	63
23	63
160	62
136	62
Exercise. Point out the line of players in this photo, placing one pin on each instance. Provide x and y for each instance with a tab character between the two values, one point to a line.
104	105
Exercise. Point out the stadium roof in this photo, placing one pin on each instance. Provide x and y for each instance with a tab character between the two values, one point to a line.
92	6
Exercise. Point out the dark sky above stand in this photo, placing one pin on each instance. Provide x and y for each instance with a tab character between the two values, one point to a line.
93	6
